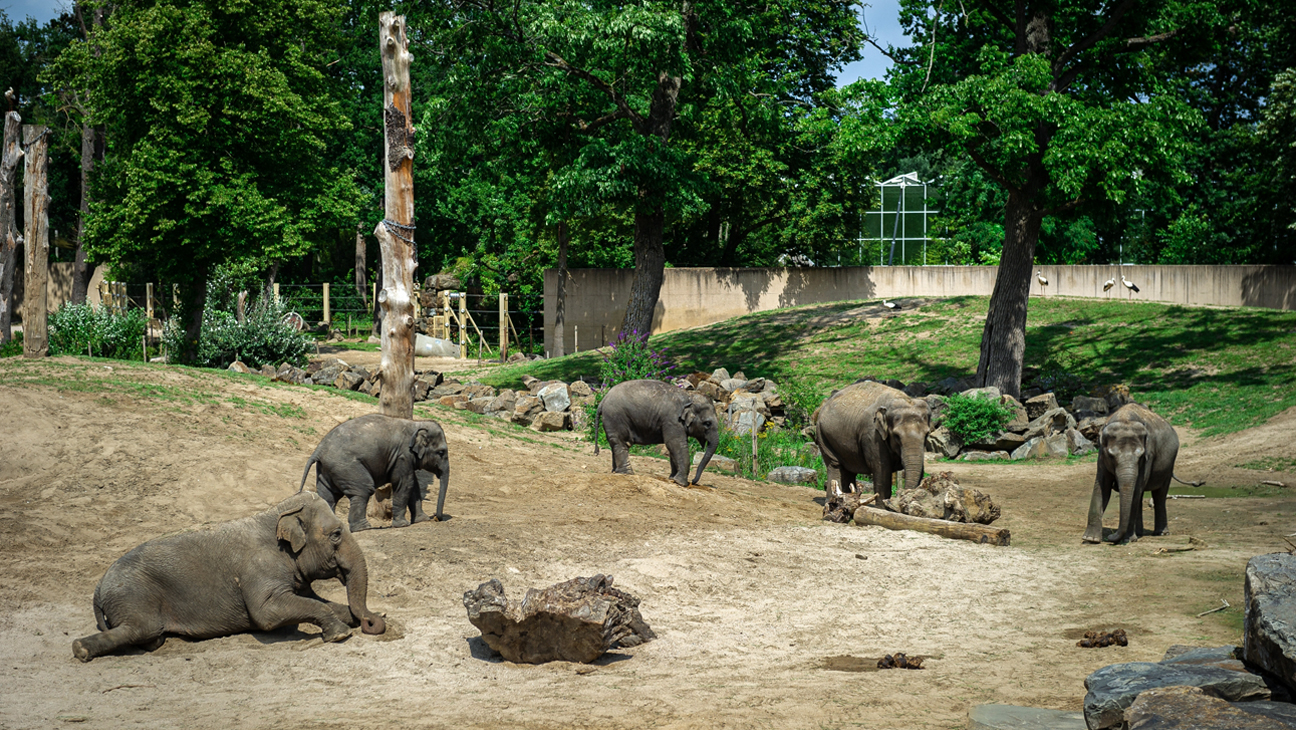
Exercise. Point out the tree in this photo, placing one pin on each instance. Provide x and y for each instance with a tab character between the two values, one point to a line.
217	117
1061	104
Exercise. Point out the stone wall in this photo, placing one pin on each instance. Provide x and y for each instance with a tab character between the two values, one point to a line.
596	298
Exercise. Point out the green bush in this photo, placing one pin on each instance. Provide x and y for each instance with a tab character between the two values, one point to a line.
13	347
80	329
262	338
974	417
774	447
628	357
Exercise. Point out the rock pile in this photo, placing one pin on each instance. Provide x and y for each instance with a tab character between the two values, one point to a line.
742	403
940	497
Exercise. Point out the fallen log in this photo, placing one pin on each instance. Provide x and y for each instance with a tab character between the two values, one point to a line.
954	530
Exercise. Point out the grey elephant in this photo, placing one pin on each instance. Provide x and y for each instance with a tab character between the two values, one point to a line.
246	575
358	456
870	428
655	412
1136	455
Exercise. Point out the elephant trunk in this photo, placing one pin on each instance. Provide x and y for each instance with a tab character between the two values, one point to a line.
1127	483
712	442
912	458
355	576
441	492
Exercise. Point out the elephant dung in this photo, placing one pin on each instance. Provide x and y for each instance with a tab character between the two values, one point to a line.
1269	626
1164	708
1115	687
575	621
555	396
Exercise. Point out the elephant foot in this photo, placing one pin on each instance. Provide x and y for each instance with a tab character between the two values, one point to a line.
358	526
421	518
682	482
400	522
333	637
626	470
80	651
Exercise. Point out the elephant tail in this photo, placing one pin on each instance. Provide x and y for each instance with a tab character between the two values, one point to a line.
100	619
306	472
1191	484
598	416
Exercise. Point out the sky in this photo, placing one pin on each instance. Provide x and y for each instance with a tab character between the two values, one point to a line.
42	10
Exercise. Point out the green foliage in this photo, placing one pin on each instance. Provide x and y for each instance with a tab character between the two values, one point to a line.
263	338
774	447
80	329
629	357
13	347
974	417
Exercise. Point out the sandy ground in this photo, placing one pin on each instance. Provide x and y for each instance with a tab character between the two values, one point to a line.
766	616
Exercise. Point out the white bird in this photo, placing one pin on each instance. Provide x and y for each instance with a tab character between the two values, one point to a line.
1043	280
1129	285
889	305
1107	285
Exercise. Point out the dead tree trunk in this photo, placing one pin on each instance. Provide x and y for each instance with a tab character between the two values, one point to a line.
36	242
91	151
560	303
8	220
396	232
360	284
983	534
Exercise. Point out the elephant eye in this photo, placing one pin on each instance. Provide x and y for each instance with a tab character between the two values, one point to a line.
336	535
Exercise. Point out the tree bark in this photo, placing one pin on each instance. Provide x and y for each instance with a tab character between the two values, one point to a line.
954	530
36	242
1003	342
91	152
360	284
396	233
8	220
560	305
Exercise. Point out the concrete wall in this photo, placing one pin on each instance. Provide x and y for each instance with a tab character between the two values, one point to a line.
596	298
59	287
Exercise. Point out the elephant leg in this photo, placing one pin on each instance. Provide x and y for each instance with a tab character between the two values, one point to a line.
1160	520
882	485
127	634
620	457
404	496
324	488
283	609
1097	506
341	610
416	501
355	481
677	446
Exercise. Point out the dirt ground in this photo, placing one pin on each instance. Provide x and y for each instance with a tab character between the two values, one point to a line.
766	616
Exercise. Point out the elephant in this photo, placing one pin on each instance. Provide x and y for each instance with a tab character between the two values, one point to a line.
358	456
252	574
870	428
655	412
1136	454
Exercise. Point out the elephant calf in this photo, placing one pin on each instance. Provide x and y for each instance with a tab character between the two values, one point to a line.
654	412
1136	454
870	428
358	456
249	574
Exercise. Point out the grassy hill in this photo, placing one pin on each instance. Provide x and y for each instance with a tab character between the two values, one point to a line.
1216	370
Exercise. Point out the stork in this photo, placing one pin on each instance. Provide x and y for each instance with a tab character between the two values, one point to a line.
1107	285
1043	280
1129	285
889	305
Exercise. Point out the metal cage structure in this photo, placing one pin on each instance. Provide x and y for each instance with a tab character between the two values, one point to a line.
900	223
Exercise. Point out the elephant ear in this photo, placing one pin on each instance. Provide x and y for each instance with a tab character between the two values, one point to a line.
290	528
421	445
687	415
881	423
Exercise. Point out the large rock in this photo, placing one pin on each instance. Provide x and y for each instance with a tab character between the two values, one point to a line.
551	421
526	409
712	391
447	388
1050	422
478	390
1284	712
745	420
580	389
348	381
1181	708
989	393
452	401
576	621
505	402
425	346
940	497
1116	396
421	390
479	405
999	441
717	460
943	441
732	384
1019	420
438	282
1115	687
1091	427
1223	657
719	376
1085	407
1269	627
986	456
1040	404
793	475
1012	717
1077	444
238	367
555	397
327	374
937	405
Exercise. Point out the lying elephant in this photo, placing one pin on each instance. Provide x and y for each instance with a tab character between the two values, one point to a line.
1136	454
654	412
247	575
365	453
870	428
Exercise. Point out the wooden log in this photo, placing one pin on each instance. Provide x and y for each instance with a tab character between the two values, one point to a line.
953	530
8	220
396	232
36	242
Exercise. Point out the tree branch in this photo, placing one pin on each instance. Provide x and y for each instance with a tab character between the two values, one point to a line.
991	171
554	60
1088	42
886	53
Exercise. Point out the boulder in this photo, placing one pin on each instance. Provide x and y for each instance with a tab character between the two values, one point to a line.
999	441
990	392
915	390
526	409
943	441
893	383
722	462
555	396
267	370
551	421
1163	708
712	391
479	405
696	377
1284	712
719	376
518	357
755	385
793	475
348	381
739	376
946	386
1028	450
1056	445
1040	404
1091	427
1012	717
528	380
1116	396
425	346
451	400
1083	406
238	367
1053	421
447	388
1115	687
439	282
579	419
1269	626
745	420
478	390
1019	420
421	390
1224	657
506	401
575	621
986	456
580	389
1077	444
940	497
937	405
732	384
772	399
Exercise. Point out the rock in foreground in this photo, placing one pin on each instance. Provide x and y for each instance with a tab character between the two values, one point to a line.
575	621
1269	629
1114	688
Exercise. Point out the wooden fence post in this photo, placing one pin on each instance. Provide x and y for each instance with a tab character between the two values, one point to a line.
36	242
9	235
275	290
175	295
503	326
463	329
327	319
148	300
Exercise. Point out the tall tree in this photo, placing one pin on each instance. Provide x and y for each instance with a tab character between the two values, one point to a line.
218	114
1061	104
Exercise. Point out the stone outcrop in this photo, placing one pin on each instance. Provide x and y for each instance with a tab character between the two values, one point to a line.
576	621
1269	626
1179	707
1114	688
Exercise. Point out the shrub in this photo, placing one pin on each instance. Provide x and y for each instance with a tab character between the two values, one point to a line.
628	357
13	347
261	339
80	329
974	417
774	447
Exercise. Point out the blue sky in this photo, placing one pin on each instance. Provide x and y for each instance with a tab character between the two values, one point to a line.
42	10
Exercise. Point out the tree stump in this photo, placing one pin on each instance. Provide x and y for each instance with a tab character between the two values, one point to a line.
575	621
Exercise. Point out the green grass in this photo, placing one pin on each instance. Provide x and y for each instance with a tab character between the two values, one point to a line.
1217	370
1271	463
